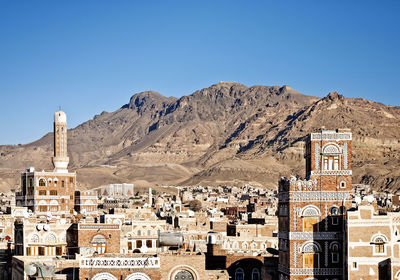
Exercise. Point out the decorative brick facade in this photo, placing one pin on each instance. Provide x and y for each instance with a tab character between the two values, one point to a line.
312	211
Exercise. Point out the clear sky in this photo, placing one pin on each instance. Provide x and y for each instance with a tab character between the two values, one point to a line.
91	56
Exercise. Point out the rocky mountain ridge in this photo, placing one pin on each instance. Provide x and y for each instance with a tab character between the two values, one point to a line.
225	134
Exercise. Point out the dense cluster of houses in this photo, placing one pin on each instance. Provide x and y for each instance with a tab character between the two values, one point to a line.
319	227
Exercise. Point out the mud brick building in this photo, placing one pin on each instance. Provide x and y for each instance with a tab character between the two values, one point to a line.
51	193
93	238
312	211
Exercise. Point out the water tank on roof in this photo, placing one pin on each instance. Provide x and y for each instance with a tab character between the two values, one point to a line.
170	239
30	269
212	239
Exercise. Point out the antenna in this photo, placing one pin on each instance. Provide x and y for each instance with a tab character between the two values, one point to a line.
59	108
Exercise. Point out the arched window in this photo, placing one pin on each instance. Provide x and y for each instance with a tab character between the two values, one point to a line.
334	247
334	210
342	184
42	182
239	274
99	242
310	218
255	274
310	255
244	246
51	238
139	232
34	238
378	242
331	157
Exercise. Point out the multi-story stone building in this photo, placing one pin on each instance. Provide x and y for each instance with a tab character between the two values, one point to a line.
51	193
373	244
311	211
35	237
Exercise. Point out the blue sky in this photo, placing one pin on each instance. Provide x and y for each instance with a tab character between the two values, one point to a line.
91	56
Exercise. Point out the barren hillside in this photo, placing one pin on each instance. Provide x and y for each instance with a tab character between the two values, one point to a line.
225	134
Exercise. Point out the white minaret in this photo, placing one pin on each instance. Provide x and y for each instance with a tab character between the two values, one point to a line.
60	159
150	198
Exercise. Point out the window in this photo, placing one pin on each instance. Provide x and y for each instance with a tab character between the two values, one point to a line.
34	238
343	184
99	243
310	260
53	192
42	192
149	243
71	180
334	211
41	251
380	248
42	183
139	243
63	183
354	266
331	162
310	255
239	274
129	245
310	224
62	200
335	221
139	232
28	251
58	251
335	252
379	244
42	208
255	274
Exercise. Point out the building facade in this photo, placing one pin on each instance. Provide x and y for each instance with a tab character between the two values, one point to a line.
51	193
312	211
373	244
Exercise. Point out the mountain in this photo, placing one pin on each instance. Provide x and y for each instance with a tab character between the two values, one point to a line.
225	134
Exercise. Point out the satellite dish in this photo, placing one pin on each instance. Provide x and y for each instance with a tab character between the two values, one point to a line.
46	227
39	227
162	214
30	269
358	200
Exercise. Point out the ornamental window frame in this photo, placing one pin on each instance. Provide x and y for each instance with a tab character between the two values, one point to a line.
334	247
331	157
379	242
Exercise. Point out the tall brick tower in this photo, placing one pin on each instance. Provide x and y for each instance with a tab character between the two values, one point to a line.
60	159
312	211
51	193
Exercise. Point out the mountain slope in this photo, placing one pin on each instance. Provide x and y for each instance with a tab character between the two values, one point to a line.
225	134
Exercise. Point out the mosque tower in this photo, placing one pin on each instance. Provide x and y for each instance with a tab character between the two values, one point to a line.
60	158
